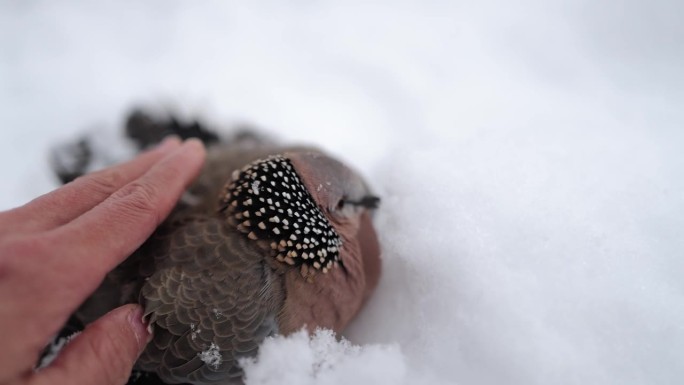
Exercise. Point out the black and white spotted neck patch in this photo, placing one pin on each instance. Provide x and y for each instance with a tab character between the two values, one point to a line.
270	202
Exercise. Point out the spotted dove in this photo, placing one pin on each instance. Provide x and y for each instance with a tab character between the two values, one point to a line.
268	240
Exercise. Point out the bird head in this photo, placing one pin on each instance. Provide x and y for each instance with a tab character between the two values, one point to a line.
314	214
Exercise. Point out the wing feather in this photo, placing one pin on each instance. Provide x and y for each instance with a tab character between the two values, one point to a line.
206	302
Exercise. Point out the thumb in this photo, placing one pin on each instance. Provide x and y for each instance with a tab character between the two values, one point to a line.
104	353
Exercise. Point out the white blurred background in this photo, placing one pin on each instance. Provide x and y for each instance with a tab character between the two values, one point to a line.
529	156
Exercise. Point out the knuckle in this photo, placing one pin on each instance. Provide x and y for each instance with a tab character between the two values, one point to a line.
18	247
138	198
10	252
103	182
15	252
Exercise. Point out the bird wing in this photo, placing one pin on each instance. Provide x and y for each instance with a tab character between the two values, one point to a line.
211	299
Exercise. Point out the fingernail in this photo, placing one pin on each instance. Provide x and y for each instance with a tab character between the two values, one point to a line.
168	143
143	333
194	142
193	145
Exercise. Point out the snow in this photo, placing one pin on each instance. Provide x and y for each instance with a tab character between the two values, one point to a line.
211	356
321	359
56	345
528	155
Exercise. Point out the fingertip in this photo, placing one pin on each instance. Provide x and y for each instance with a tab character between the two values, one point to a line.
170	142
105	352
190	155
186	160
195	145
142	332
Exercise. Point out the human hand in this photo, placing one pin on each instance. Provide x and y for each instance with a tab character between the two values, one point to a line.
55	251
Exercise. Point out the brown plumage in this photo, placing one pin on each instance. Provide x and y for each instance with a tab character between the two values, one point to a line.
268	240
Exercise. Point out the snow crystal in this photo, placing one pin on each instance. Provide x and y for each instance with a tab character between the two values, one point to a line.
211	356
194	331
217	313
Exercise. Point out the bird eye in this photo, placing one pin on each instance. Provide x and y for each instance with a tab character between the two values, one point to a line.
340	205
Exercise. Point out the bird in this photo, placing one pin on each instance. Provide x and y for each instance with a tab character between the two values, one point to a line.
269	240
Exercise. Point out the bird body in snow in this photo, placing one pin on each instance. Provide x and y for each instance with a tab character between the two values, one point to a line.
268	240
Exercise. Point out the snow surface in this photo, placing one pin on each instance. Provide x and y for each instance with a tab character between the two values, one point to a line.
529	157
321	359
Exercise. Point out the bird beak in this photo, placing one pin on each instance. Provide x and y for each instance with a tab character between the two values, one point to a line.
370	253
369	202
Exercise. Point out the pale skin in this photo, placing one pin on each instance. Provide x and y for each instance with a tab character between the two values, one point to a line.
55	251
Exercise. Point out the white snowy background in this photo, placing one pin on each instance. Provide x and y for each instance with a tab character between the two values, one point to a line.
529	155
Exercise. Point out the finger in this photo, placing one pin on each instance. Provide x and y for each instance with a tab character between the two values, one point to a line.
94	243
104	353
73	199
59	268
